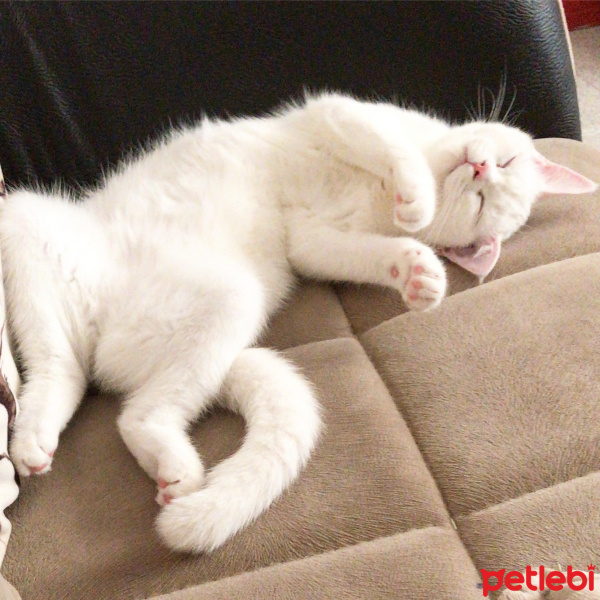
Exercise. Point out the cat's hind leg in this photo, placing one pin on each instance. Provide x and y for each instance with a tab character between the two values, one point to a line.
169	347
283	423
153	425
383	151
43	239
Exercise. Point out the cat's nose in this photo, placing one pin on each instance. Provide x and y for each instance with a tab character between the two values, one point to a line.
480	169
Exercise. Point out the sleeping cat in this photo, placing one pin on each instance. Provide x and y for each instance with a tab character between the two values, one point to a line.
157	284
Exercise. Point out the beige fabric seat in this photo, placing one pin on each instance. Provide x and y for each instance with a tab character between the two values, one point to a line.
461	439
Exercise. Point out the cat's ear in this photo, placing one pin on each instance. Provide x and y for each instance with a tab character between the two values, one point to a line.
561	180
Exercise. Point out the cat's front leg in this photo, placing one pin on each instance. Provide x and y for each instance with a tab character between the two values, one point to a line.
402	263
366	136
413	189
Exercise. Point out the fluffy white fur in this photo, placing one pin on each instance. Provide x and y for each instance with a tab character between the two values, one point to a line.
157	284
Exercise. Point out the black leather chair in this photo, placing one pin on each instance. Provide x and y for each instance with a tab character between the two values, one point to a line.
82	82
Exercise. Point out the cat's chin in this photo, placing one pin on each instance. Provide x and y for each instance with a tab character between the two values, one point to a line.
478	258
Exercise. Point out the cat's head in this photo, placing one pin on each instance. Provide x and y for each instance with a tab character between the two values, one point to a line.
488	177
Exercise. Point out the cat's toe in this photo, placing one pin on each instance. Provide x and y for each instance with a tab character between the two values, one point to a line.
29	456
163	497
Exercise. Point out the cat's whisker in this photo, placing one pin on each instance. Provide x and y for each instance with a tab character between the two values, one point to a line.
486	90
510	106
471	112
499	100
515	117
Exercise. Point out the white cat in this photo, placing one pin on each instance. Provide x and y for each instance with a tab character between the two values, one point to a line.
157	284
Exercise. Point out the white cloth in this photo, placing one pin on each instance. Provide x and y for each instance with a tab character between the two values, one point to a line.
9	385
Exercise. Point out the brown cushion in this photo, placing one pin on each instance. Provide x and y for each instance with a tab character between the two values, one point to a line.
312	314
409	565
500	385
555	527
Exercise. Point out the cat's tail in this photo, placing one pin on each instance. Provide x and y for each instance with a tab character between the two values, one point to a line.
283	423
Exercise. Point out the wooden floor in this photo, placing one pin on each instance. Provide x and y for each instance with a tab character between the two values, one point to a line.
586	49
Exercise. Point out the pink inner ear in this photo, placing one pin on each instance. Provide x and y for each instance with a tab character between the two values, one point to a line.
561	180
480	261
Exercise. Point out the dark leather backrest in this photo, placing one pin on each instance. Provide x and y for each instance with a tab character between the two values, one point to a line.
82	82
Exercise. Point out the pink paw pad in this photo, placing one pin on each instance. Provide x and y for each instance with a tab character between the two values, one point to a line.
413	296
399	199
33	470
419	269
417	285
395	272
162	484
167	499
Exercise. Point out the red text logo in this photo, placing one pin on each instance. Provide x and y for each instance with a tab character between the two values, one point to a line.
538	580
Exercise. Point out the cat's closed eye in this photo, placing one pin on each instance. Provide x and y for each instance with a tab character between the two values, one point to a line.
507	162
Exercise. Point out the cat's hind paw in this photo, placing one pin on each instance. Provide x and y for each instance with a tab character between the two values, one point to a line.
176	480
30	455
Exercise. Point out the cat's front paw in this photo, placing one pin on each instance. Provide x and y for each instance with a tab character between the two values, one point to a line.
31	452
419	275
414	197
